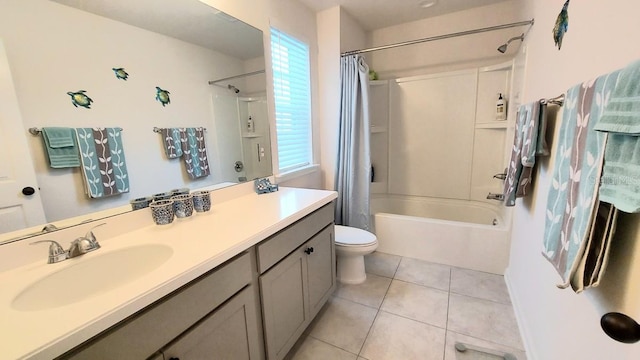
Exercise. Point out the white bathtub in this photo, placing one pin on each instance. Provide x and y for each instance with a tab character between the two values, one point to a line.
451	232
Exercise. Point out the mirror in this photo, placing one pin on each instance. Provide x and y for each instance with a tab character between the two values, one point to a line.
211	64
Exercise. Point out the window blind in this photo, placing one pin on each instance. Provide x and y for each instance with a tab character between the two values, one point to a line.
292	92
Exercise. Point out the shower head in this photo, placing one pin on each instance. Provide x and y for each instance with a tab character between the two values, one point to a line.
233	88
503	48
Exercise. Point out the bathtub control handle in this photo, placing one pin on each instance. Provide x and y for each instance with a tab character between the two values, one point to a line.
308	250
492	196
501	176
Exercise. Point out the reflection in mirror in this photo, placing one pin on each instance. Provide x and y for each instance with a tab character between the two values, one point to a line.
211	65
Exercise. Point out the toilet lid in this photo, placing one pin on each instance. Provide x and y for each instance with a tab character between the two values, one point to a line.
351	236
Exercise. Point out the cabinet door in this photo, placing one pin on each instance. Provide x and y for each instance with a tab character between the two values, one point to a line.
283	290
321	269
230	332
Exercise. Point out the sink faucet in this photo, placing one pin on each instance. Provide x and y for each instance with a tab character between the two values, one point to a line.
79	246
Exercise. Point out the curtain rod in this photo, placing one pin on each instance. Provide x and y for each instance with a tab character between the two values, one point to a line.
213	82
440	37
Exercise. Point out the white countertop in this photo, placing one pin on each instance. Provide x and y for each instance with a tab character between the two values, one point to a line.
199	244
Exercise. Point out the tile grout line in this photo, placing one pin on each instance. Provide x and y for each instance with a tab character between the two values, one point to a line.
378	310
446	325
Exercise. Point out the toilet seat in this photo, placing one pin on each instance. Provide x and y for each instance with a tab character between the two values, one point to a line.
353	237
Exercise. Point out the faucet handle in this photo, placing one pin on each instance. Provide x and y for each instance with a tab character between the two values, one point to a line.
56	252
92	238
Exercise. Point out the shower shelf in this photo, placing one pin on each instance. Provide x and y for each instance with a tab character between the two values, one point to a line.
251	135
492	125
378	129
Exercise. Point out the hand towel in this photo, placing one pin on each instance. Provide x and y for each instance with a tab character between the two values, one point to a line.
533	143
514	169
103	163
571	222
171	141
620	182
194	152
62	149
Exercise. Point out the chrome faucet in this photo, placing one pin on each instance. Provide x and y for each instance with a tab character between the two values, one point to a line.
492	196
79	246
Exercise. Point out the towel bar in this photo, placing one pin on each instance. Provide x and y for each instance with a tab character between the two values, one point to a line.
36	131
157	129
558	100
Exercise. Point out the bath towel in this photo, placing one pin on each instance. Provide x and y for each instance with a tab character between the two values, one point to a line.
620	183
61	147
572	228
171	142
533	143
194	152
514	169
103	162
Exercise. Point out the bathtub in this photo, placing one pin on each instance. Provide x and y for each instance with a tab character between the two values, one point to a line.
466	234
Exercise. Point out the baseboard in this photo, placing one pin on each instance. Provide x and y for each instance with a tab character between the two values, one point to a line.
521	319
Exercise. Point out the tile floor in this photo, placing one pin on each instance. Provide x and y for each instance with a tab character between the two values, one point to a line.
411	309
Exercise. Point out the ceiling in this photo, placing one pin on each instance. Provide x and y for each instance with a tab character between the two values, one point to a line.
377	14
187	20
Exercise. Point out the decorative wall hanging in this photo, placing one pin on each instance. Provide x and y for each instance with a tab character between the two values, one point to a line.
79	98
120	73
162	96
562	25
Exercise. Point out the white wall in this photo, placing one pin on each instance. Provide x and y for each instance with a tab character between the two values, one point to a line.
53	49
558	324
449	54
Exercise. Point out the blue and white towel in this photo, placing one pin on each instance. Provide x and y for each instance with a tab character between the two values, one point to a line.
572	226
103	163
171	142
194	152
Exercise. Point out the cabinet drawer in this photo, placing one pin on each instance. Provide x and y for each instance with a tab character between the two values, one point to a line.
281	244
144	333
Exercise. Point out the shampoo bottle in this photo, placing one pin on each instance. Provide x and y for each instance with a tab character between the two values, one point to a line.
501	108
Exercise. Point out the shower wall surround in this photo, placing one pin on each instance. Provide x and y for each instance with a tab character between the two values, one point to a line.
440	130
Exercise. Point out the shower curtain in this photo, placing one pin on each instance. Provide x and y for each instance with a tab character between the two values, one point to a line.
353	175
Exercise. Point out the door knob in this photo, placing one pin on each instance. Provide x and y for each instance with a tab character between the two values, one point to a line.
28	190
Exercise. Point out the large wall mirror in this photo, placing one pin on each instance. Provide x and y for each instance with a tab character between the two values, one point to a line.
211	64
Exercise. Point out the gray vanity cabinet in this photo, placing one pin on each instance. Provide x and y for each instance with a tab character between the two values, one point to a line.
294	289
216	312
230	332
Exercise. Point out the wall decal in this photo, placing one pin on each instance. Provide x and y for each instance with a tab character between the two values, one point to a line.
120	73
162	96
562	25
79	98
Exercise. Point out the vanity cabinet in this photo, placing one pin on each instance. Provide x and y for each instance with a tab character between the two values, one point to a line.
220	303
252	307
295	288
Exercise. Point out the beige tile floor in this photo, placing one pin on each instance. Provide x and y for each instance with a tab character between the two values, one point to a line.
411	309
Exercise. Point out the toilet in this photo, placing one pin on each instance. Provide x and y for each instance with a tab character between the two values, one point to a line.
352	244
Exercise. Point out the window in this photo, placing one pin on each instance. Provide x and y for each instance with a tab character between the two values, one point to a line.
292	92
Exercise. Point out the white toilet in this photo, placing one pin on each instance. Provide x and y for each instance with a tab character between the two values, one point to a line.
352	244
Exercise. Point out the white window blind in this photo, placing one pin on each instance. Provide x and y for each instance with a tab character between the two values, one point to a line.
292	92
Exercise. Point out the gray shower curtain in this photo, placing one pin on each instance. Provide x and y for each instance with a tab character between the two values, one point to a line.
353	175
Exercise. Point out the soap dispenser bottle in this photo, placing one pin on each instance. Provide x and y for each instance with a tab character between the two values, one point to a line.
501	108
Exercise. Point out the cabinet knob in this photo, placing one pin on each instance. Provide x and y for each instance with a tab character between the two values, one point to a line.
308	250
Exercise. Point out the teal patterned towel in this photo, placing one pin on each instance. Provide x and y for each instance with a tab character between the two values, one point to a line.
171	141
514	169
61	146
572	204
620	182
103	163
194	152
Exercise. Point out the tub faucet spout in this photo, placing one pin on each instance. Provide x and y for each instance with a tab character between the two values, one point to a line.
492	196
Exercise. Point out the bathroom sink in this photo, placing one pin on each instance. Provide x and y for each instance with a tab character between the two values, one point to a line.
91	276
